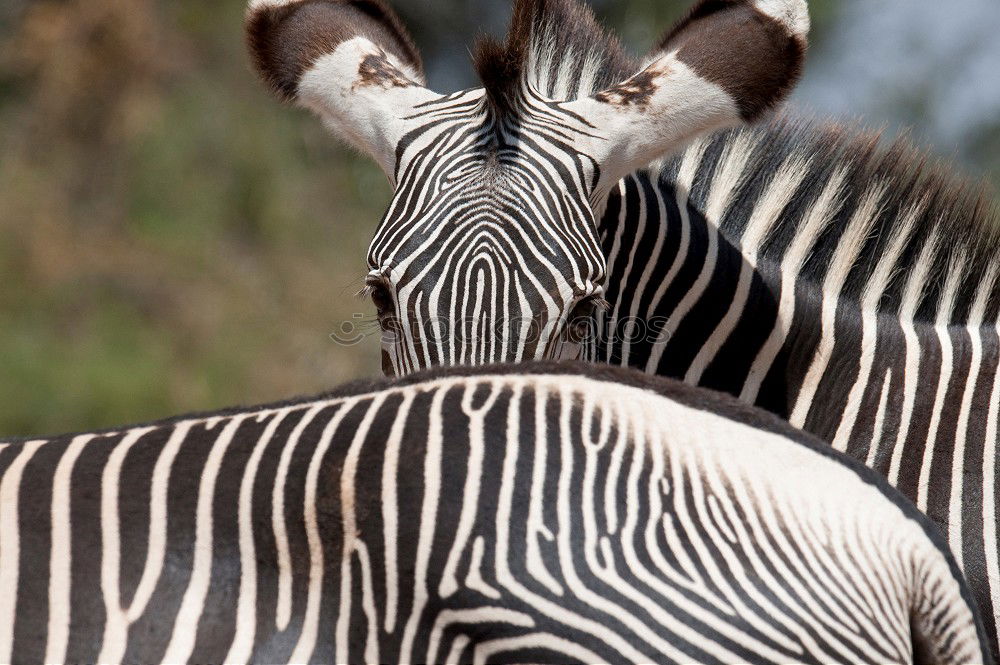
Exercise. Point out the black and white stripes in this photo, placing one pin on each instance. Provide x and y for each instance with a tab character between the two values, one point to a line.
488	244
848	288
545	516
837	285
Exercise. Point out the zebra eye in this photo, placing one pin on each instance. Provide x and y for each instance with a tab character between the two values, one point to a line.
581	317
381	298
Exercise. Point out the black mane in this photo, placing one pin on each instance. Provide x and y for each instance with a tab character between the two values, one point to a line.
554	46
958	215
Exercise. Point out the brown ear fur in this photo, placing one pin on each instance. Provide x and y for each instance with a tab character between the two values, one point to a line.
749	54
285	41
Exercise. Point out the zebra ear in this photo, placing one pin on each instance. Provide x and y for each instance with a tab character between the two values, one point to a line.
725	64
349	61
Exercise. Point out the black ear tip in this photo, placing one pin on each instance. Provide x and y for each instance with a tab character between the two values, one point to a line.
761	96
752	49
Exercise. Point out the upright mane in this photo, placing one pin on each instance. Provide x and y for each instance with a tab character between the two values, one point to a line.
555	47
893	197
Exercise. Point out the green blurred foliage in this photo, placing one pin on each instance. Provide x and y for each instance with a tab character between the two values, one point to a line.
172	238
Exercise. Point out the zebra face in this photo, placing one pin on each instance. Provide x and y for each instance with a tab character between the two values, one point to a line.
489	250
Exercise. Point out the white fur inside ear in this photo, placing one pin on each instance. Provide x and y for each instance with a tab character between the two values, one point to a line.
268	4
369	113
654	113
793	14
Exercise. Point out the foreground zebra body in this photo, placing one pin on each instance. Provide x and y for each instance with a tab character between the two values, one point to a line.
536	516
849	289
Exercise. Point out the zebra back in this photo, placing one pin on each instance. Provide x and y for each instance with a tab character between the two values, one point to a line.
542	513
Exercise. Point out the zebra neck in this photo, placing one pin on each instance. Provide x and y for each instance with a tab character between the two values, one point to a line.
690	300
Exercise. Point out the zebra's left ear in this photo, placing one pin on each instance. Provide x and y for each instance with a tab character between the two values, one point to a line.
725	64
351	62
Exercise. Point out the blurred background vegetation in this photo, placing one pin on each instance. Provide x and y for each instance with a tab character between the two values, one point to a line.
173	239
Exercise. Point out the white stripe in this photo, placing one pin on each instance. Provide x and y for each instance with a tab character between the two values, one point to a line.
473	476
368	603
651	261
60	551
856	395
536	527
816	220
156	549
945	306
241	648
10	546
685	180
484	651
622	444
848	248
874	290
765	215
480	615
351	543
457	647
193	604
728	178
642	215
428	510
310	622
912	293
877	432
390	510
474	578
991	460
974	324
283	610
116	622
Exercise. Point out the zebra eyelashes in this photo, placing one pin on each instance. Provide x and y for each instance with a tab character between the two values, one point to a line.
591	305
379	291
579	323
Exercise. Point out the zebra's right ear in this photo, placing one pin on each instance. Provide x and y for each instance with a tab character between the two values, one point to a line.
725	64
349	61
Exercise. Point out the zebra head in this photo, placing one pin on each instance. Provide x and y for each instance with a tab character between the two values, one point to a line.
489	251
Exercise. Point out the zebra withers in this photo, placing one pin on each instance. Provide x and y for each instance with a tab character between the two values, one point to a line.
543	513
848	288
